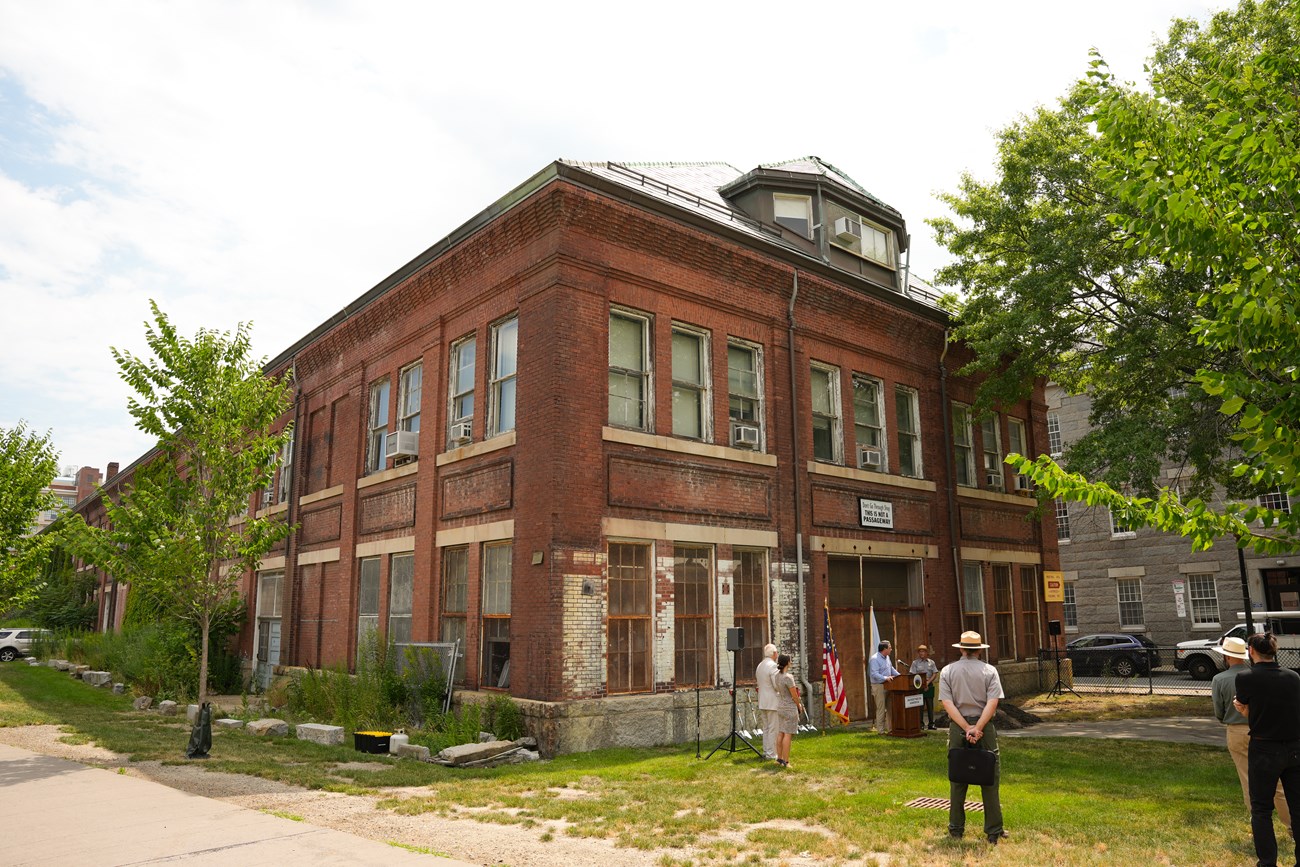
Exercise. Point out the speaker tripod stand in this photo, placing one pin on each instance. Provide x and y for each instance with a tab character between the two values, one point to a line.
731	743
1059	688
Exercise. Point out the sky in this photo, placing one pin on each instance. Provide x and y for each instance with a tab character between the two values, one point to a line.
269	161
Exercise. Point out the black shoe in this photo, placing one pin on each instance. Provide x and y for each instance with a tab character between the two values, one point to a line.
994	838
956	835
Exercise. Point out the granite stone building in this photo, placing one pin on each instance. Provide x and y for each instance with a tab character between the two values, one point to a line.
627	408
1149	582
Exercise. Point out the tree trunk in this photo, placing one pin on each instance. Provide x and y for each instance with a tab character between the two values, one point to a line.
205	626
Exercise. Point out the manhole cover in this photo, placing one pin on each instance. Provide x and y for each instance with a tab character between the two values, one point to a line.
942	804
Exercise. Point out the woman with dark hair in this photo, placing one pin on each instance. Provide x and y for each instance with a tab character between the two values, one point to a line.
790	704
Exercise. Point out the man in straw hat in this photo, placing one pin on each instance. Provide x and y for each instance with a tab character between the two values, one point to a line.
1223	688
970	689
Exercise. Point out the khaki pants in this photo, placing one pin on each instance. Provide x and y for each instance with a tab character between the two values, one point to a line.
883	723
1239	749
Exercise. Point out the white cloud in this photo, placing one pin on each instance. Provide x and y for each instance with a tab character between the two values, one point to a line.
272	161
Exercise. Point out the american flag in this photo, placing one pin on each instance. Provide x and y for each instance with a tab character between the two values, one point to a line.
836	703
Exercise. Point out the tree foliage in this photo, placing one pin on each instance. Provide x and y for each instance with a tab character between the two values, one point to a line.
1204	167
181	532
28	463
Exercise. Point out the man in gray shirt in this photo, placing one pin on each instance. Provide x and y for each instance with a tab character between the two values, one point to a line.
1223	688
970	689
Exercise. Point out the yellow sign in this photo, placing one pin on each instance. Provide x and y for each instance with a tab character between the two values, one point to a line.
1053	586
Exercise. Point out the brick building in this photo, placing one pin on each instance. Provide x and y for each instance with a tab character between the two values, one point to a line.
1149	582
626	408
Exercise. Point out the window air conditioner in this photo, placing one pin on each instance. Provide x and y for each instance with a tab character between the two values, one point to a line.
870	458
1022	482
744	436
847	228
462	433
993	480
403	443
268	498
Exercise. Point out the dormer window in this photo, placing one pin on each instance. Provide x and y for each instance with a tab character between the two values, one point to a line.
793	212
858	235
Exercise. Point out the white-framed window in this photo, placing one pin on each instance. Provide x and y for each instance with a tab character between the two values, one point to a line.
1062	521
284	480
907	409
460	374
690	383
505	365
1129	591
991	440
825	392
1054	434
869	423
367	601
629	370
745	388
859	236
401	590
268	622
1277	500
409	383
1204	596
963	444
1118	528
1017	441
1069	608
972	575
495	670
377	426
793	212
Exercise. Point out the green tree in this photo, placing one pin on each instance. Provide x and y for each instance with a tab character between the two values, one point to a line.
181	530
1204	166
28	463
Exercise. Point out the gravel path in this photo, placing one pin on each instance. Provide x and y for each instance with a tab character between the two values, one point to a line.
465	839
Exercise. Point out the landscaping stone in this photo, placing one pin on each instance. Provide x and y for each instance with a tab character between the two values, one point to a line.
61	664
119	689
191	713
227	723
97	678
78	670
318	733
486	737
526	742
167	708
412	751
31	660
142	702
466	753
269	728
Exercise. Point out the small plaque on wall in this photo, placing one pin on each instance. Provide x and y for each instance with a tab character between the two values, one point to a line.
875	513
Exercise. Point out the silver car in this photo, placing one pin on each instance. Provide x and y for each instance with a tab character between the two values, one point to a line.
16	643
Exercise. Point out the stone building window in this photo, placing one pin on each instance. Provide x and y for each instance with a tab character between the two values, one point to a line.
1053	434
628	667
693	615
1069	607
1130	603
1062	521
1204	596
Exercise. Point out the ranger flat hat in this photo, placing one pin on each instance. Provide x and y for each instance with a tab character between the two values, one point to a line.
970	641
1234	647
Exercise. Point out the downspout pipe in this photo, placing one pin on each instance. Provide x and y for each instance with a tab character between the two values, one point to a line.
798	492
954	525
291	513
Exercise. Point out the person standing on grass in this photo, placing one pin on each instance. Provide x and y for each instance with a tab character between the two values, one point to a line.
924	665
790	703
768	700
880	668
1269	696
1223	688
970	689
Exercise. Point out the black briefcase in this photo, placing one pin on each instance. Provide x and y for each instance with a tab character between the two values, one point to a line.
972	765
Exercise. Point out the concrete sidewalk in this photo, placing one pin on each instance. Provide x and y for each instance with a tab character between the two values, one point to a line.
1183	730
65	813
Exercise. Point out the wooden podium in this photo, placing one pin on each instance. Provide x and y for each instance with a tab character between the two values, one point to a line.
905	703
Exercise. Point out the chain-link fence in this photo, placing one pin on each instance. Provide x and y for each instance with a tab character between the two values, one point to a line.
1152	670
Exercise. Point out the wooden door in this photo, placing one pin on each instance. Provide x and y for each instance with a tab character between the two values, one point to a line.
847	626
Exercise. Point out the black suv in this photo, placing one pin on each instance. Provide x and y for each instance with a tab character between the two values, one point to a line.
1112	655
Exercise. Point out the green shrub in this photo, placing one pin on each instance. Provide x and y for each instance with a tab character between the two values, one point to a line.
506	720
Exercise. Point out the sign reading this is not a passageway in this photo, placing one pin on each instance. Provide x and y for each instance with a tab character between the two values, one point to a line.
875	513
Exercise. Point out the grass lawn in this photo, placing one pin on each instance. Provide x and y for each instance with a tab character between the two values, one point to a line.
1066	801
